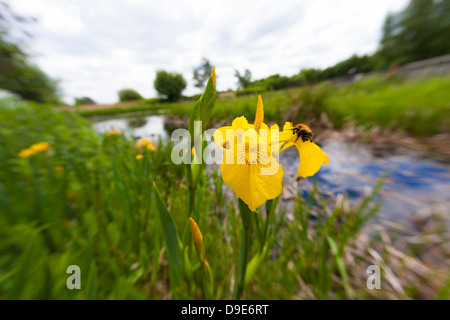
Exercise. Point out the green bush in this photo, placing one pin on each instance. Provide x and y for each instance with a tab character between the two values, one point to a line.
169	85
128	95
83	100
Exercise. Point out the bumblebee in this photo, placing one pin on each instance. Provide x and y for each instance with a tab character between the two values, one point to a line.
304	132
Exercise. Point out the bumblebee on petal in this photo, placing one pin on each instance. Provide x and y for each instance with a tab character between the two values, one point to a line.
311	156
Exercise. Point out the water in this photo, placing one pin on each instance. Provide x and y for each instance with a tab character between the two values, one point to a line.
413	183
143	127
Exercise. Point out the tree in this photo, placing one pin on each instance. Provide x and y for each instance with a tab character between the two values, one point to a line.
17	74
202	73
128	95
418	32
169	85
243	80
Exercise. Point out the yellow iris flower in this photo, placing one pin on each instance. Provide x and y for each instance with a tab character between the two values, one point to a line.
248	166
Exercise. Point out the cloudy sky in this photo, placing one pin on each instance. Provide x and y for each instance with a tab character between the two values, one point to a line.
97	47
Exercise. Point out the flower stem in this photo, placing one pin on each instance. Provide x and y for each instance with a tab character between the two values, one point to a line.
269	209
191	201
246	216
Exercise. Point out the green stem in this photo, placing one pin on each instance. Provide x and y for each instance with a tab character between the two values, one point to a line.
258	229
246	216
192	190
269	207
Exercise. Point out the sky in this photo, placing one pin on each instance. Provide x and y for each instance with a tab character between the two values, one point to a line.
97	47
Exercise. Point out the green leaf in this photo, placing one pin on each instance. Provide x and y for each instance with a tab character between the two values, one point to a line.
209	100
255	263
196	115
340	265
204	107
172	240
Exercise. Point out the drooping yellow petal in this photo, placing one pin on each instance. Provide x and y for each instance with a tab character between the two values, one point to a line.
250	185
311	158
259	118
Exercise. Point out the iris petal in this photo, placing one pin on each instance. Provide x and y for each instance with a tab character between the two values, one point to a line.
311	158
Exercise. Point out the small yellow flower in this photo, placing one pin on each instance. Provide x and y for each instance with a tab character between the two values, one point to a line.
59	168
40	147
34	149
139	156
113	132
198	240
145	143
25	153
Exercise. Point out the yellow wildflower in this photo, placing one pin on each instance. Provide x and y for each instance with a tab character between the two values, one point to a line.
113	132
34	149
248	166
59	168
145	143
139	156
40	147
25	153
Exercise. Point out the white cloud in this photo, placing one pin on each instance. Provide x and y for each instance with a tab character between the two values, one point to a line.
97	47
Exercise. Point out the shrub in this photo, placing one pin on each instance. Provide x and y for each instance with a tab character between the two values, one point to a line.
128	95
84	100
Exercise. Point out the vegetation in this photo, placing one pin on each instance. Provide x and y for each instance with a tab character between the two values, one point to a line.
416	33
169	85
91	203
17	73
128	95
419	107
83	100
